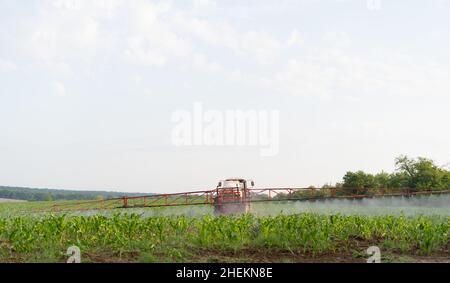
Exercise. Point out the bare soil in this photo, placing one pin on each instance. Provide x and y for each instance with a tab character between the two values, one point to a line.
252	255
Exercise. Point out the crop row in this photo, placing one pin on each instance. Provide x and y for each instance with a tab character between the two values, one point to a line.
49	236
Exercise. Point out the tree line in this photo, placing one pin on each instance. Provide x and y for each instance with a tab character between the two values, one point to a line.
419	174
415	173
32	194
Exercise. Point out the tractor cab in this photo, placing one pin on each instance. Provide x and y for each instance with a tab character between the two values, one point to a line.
232	196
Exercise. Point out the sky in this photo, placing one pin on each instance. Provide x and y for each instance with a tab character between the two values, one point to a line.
88	89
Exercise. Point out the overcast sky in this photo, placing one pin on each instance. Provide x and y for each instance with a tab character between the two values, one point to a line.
88	88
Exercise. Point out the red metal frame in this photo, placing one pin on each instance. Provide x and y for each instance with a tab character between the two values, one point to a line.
220	196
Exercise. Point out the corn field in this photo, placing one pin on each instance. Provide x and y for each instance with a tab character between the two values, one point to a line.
132	237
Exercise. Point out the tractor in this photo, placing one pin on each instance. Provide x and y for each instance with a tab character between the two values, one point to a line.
232	196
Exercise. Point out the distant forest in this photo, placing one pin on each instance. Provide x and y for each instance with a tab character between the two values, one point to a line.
32	194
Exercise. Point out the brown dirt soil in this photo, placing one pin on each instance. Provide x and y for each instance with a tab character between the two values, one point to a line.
252	255
258	256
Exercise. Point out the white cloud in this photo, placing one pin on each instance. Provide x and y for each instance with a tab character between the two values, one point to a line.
296	39
302	78
98	8
203	6
152	34
151	41
59	35
201	63
60	68
262	47
137	79
7	66
330	72
160	34
58	88
337	39
68	29
67	4
137	53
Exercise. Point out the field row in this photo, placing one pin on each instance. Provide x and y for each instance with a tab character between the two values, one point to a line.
135	238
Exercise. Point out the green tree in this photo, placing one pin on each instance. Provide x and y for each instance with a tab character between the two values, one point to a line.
422	173
398	180
358	181
381	180
446	180
48	197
